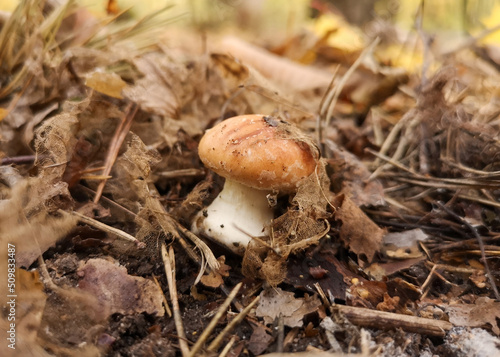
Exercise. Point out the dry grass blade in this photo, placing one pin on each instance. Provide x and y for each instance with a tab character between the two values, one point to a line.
104	227
165	302
169	225
474	231
227	348
169	263
142	33
25	39
213	323
217	341
114	146
332	96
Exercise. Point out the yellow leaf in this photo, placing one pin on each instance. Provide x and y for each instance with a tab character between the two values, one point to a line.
343	35
107	83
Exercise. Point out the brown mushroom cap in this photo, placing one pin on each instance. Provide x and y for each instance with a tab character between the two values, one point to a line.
259	151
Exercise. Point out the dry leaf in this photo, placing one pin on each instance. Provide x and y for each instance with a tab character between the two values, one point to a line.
106	83
26	222
259	341
118	291
358	232
214	279
485	312
276	302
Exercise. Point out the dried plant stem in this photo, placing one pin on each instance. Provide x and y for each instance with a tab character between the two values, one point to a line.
114	147
111	202
213	323
213	263
23	159
227	348
217	341
388	320
104	227
169	263
181	173
165	302
170	226
333	96
487	270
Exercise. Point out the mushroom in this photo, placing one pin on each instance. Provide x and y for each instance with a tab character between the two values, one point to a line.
258	155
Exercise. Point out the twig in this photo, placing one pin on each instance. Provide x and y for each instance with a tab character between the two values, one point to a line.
165	302
388	320
481	247
104	227
335	93
217	341
169	263
114	147
226	349
24	159
281	333
181	173
213	323
111	202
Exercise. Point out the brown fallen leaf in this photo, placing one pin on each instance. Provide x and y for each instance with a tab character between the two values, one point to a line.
485	312
120	292
352	177
276	302
26	222
214	278
259	341
358	232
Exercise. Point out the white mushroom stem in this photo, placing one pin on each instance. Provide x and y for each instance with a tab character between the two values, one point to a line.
235	216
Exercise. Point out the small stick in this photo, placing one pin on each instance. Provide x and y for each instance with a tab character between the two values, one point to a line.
23	159
181	173
226	349
213	323
165	302
388	320
216	342
169	263
281	333
111	202
427	282
104	227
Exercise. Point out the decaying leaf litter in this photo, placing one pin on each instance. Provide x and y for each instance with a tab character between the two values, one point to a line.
381	251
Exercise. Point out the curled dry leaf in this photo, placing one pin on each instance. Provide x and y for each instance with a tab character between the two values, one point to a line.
118	291
214	278
27	222
357	231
